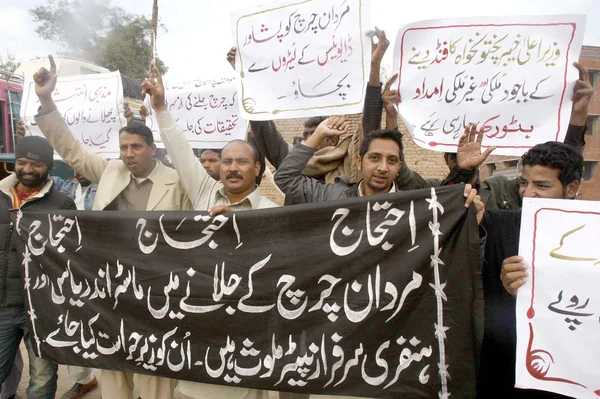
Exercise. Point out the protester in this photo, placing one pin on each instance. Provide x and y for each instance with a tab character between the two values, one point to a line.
80	189
28	188
235	191
550	170
501	192
379	161
83	192
136	182
211	161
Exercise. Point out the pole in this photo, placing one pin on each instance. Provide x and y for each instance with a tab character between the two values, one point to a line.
154	28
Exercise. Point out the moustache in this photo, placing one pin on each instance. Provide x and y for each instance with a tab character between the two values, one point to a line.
234	175
29	175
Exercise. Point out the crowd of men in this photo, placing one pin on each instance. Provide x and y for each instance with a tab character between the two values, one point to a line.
330	163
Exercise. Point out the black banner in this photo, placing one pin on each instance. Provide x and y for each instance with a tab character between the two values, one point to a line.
376	296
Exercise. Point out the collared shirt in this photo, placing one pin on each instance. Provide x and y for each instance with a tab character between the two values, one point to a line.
361	193
252	201
135	196
140	180
80	196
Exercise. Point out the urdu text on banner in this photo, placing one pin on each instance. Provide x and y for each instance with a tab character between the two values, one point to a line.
206	110
91	106
302	58
558	308
512	75
372	296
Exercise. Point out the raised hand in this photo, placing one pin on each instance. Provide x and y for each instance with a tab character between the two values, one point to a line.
231	56
469	154
156	91
378	50
582	94
390	97
45	83
20	129
144	113
127	113
332	126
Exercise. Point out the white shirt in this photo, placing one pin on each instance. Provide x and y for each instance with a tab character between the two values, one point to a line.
80	198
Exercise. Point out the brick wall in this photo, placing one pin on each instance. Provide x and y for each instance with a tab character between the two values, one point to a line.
590	58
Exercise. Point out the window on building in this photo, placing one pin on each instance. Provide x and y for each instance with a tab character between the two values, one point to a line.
13	116
593	76
589	169
590	122
2	143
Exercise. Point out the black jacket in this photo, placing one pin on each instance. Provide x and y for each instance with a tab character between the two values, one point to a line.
11	286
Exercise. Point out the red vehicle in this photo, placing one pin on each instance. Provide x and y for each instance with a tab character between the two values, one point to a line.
11	93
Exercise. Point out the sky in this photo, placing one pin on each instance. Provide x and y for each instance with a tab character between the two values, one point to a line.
199	31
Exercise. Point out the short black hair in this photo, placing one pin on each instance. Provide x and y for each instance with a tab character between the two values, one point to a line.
141	129
450	154
314	121
386	134
254	150
217	151
559	156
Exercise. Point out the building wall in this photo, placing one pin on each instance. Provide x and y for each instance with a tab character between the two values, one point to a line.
590	58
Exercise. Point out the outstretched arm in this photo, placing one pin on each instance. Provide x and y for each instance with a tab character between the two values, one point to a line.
196	181
289	177
58	133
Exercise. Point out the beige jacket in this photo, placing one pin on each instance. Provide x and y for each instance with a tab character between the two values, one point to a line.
111	176
204	191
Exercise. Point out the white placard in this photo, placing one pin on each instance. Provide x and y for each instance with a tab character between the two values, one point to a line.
302	58
558	309
513	75
90	104
206	110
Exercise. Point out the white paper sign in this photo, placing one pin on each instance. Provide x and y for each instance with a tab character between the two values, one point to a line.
206	110
558	309
513	75
90	104
298	59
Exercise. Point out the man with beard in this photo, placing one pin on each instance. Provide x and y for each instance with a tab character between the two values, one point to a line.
550	170
83	192
80	189
28	188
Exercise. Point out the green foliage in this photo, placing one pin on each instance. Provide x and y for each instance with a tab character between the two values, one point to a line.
96	31
8	65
